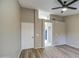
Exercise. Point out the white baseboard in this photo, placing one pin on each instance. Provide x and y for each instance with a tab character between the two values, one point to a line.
59	44
19	53
73	46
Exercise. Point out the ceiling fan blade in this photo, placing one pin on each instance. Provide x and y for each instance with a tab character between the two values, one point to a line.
57	8
72	8
72	2
61	2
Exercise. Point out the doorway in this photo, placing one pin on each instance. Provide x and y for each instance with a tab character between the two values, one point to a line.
48	34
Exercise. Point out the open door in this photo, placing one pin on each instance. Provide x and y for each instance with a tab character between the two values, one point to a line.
48	34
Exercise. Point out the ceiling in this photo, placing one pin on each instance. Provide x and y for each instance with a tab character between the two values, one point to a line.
46	5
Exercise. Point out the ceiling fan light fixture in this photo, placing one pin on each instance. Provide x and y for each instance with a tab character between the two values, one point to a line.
65	9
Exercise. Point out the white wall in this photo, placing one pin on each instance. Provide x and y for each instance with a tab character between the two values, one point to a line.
9	28
72	26
38	23
43	15
59	33
27	15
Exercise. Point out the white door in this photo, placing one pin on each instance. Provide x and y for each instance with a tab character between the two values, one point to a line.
27	35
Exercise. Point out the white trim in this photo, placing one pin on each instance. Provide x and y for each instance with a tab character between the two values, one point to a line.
73	46
19	53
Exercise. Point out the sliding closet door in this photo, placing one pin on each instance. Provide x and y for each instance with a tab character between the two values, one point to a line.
59	33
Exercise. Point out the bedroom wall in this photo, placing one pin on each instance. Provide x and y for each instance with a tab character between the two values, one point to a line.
9	28
59	30
72	30
27	15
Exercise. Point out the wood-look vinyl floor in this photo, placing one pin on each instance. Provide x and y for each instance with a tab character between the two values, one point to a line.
63	51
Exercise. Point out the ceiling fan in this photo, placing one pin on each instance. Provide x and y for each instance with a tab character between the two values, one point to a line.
65	6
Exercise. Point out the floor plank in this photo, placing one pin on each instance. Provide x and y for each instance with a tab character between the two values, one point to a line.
63	51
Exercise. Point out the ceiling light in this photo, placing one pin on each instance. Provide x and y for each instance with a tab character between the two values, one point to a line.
64	9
